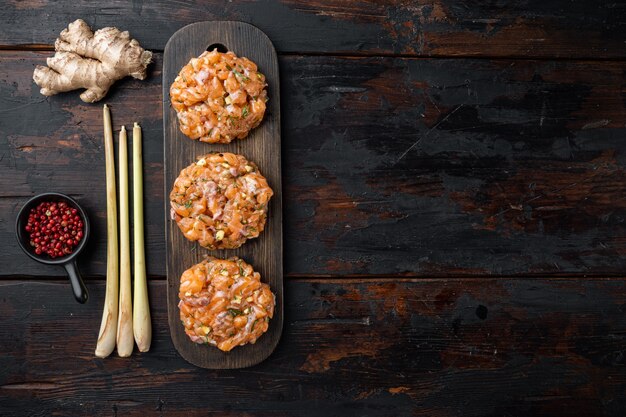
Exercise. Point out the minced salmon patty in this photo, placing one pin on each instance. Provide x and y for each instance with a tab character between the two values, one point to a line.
219	97
220	201
223	303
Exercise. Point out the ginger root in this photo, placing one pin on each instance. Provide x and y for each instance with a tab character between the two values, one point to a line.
93	61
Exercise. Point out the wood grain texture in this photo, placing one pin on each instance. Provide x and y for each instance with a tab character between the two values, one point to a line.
533	28
263	147
493	169
439	348
417	167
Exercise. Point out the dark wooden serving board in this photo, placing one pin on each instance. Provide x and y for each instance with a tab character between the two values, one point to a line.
262	146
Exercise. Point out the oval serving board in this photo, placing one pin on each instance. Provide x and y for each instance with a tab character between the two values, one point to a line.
262	146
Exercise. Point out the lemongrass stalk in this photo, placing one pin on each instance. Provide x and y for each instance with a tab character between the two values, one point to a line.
108	327
125	320
141	311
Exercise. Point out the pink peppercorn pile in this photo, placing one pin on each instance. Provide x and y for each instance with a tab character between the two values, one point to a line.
55	228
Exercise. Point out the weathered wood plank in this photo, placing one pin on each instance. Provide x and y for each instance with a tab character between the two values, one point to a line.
390	166
378	348
51	135
533	28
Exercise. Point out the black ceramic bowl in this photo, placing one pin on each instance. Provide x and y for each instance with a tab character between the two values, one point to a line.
68	261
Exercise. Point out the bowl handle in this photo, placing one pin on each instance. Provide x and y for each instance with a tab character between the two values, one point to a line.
78	287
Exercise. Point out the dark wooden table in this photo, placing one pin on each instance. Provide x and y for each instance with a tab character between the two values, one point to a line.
455	207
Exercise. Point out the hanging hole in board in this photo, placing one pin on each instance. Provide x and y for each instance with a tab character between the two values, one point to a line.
220	48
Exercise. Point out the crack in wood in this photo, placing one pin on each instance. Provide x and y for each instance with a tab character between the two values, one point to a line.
364	321
31	386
